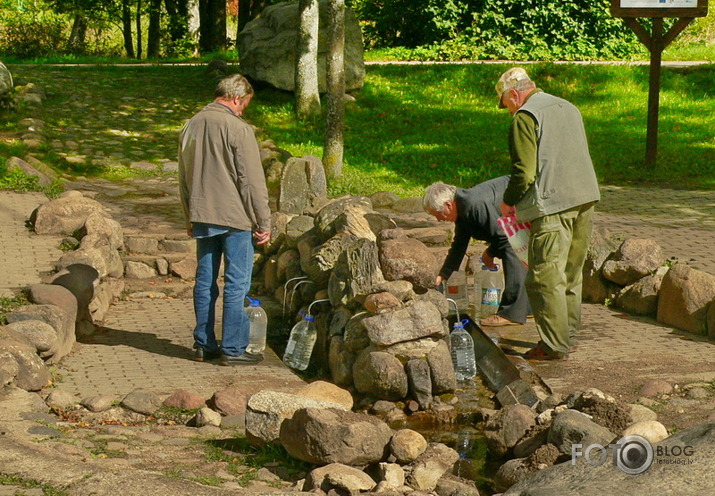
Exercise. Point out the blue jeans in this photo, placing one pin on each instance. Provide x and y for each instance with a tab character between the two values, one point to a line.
236	247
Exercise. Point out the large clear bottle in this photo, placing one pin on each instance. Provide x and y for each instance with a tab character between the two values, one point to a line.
258	323
300	344
491	282
462	346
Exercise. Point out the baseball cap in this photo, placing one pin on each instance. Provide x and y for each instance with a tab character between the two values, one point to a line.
510	79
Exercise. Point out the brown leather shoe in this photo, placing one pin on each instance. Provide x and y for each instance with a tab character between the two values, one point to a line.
543	352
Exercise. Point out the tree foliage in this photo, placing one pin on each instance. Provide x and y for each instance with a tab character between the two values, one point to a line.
496	29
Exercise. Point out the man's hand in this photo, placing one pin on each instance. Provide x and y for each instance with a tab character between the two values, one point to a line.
488	260
262	237
508	210
189	231
439	280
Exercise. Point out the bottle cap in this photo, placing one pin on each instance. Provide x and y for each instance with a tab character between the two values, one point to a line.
309	318
253	303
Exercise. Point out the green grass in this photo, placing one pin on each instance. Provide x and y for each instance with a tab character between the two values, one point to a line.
409	126
13	480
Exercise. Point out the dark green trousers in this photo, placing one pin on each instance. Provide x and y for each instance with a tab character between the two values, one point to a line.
557	251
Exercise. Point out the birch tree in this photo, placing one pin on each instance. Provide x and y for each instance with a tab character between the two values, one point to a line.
335	73
307	98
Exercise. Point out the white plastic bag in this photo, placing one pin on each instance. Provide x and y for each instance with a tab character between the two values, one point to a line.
518	235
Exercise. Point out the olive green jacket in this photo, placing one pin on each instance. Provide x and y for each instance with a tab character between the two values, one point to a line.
551	166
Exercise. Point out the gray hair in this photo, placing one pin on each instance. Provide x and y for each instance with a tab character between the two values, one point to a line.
233	86
436	195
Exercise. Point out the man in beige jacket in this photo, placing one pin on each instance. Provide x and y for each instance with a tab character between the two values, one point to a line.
225	200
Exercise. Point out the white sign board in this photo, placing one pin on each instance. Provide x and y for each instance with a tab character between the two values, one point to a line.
658	4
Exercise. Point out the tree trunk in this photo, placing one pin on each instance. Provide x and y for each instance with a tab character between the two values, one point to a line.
307	98
244	15
76	41
153	46
127	28
212	30
335	68
178	13
139	29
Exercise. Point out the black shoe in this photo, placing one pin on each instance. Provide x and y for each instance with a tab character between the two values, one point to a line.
201	355
245	359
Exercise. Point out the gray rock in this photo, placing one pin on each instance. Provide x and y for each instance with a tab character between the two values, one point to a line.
303	185
510	473
41	334
141	244
81	280
297	227
654	387
337	475
634	259
640	413
407	445
684	298
205	416
641	297
60	399
652	430
19	359
573	427
340	361
420	382
6	83
420	320
63	215
430	466
582	479
335	207
408	259
384	199
323	436
597	288
380	374
100	403
325	391
266	411
355	273
452	486
408	205
184	268
268	47
138	270
177	245
17	163
107	230
59	318
391	473
444	380
505	429
141	401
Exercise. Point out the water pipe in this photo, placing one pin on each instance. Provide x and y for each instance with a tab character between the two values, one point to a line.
285	291
292	295
456	308
317	301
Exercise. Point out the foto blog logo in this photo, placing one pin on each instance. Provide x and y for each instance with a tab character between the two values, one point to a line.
633	454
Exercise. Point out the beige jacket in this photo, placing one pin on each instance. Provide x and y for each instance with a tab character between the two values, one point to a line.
220	172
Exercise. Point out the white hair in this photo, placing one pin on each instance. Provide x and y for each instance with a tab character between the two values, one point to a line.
436	195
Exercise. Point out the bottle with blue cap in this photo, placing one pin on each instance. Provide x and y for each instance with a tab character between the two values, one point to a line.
300	343
258	323
491	283
462	347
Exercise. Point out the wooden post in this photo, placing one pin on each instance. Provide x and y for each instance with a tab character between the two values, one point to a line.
656	42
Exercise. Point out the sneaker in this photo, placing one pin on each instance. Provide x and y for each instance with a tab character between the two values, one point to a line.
496	321
245	359
201	355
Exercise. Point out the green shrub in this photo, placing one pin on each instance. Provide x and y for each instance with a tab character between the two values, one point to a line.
31	33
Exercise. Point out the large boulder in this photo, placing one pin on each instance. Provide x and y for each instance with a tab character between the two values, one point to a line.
20	364
267	410
303	185
690	473
268	46
64	215
6	83
597	288
684	298
61	319
430	466
407	324
323	436
380	374
641	297
403	258
573	427
635	258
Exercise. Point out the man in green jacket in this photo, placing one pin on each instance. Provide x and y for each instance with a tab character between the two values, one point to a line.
225	200
552	185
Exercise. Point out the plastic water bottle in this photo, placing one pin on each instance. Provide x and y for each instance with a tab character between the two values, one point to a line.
300	344
491	282
465	366
258	322
457	289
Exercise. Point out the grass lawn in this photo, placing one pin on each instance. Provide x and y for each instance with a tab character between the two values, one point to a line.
409	126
